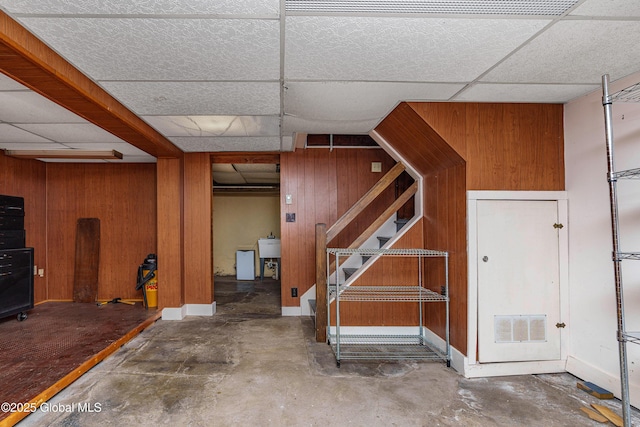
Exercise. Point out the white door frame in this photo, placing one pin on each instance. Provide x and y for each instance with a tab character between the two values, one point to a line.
471	366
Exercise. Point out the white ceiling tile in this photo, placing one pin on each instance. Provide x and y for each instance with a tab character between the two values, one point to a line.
295	124
29	107
565	54
249	168
262	178
625	8
165	49
228	178
553	94
7	83
156	7
399	49
223	167
226	143
215	125
287	143
9	133
75	132
198	98
357	100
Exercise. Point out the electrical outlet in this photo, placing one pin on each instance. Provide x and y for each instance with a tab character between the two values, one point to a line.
291	217
294	292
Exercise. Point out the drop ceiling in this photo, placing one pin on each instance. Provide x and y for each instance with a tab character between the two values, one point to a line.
250	75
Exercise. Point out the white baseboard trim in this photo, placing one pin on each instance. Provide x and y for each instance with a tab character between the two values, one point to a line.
291	311
591	373
201	309
179	313
481	370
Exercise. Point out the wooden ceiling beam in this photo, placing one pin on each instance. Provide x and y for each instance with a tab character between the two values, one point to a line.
26	59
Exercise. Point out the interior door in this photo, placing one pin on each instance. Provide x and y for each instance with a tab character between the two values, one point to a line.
518	281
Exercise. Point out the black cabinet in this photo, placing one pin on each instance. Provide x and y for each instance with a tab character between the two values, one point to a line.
16	261
12	239
16	281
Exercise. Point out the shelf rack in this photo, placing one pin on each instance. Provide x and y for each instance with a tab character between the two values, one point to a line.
380	346
630	94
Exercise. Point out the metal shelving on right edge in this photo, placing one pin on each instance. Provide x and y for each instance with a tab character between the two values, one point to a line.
630	94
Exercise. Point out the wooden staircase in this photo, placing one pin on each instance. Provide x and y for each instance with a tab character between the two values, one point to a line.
324	236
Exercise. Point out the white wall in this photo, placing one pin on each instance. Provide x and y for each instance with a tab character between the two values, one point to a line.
593	348
239	220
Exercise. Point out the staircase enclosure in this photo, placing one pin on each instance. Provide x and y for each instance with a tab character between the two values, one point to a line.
451	148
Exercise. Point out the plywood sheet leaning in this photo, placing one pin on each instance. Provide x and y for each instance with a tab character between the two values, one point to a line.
87	260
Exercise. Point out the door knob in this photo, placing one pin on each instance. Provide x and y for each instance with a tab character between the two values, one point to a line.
485	258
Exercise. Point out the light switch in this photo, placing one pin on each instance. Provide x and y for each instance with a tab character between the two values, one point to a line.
376	166
288	199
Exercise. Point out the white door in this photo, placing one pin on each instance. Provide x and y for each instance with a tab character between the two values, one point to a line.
518	281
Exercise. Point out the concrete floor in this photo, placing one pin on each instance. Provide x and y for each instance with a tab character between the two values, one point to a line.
248	366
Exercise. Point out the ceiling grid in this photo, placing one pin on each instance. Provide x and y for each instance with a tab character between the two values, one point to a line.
250	75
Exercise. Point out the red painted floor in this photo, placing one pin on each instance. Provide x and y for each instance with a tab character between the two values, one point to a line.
55	339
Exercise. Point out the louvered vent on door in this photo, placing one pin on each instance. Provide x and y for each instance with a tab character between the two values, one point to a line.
520	328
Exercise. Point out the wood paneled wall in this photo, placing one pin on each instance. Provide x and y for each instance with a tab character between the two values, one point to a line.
445	229
170	232
27	179
323	185
506	146
123	197
470	146
198	258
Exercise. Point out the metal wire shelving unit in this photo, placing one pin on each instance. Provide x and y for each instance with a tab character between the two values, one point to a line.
630	94
385	346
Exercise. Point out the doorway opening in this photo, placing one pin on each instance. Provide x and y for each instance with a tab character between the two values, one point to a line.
246	212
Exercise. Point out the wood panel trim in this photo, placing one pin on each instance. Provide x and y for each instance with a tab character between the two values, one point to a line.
170	233
321	281
26	59
198	247
375	225
364	201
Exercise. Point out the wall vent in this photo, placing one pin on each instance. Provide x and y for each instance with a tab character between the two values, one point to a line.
440	7
520	328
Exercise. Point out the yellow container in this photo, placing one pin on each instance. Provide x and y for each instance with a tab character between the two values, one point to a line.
151	289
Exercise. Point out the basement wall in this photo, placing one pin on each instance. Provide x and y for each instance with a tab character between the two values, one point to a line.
593	346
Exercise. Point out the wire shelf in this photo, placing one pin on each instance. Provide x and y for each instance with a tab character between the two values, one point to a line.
633	337
630	94
386	252
628	174
628	255
386	347
389	293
